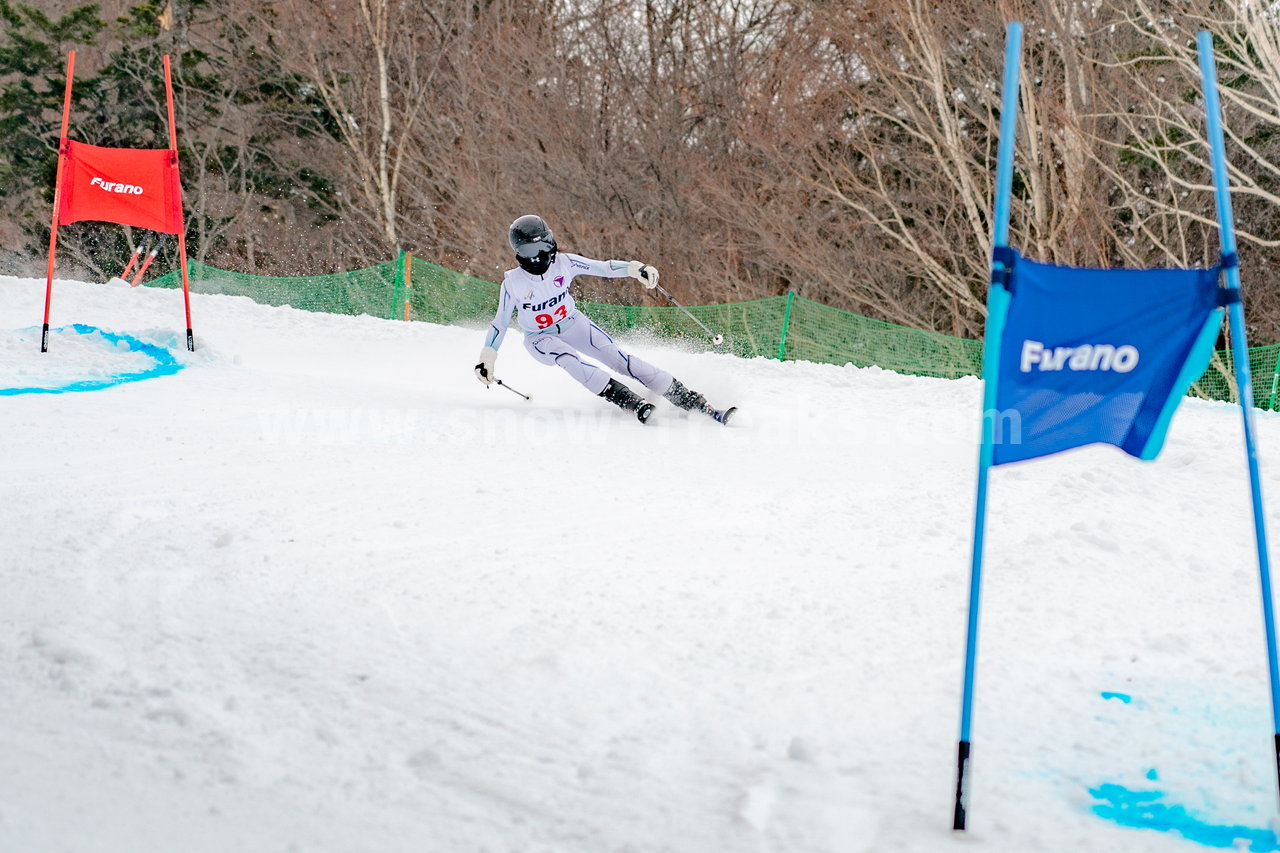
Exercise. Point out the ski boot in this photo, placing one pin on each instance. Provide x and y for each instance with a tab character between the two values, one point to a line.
624	398
692	401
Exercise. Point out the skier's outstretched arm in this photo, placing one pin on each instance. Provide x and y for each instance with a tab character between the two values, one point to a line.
493	337
644	273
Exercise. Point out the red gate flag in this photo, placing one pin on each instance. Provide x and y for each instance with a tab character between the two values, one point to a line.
129	186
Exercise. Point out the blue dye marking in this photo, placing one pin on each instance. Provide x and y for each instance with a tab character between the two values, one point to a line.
1123	697
165	365
1139	810
1152	775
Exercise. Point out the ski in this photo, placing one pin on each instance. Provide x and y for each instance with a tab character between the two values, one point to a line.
722	415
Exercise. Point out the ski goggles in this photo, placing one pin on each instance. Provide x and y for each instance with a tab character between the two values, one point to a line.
535	248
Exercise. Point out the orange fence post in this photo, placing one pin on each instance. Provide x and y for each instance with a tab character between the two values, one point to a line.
408	281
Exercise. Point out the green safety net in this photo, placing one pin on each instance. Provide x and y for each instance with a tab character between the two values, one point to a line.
367	291
789	328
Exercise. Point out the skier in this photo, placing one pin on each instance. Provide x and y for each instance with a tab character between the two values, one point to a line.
556	332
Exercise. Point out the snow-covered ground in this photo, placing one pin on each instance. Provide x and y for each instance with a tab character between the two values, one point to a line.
319	590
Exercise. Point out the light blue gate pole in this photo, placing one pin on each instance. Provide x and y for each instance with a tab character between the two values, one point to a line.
997	309
1240	355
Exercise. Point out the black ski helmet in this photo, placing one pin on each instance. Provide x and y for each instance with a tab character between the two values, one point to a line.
533	242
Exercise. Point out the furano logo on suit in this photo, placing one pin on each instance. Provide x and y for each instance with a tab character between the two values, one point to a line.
1085	357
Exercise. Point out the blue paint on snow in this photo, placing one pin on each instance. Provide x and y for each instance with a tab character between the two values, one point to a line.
165	365
1140	810
1123	697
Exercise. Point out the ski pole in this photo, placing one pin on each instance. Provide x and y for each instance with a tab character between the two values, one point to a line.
512	390
151	256
715	339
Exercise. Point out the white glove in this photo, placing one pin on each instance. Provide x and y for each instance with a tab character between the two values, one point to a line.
484	370
647	275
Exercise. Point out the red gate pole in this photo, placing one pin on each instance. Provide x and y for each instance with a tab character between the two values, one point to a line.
57	200
182	231
142	247
151	256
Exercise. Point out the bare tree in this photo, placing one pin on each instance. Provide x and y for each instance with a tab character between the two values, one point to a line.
1164	184
381	67
845	151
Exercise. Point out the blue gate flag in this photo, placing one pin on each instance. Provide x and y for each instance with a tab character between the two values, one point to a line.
1091	355
1078	356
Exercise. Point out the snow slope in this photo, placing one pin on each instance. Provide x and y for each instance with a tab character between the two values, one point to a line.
319	590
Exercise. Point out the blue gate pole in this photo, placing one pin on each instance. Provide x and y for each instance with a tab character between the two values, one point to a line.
1240	355
997	308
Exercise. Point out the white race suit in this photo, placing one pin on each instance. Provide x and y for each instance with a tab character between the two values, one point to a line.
556	332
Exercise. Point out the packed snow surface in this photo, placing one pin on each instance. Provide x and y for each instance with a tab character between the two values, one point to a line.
320	590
